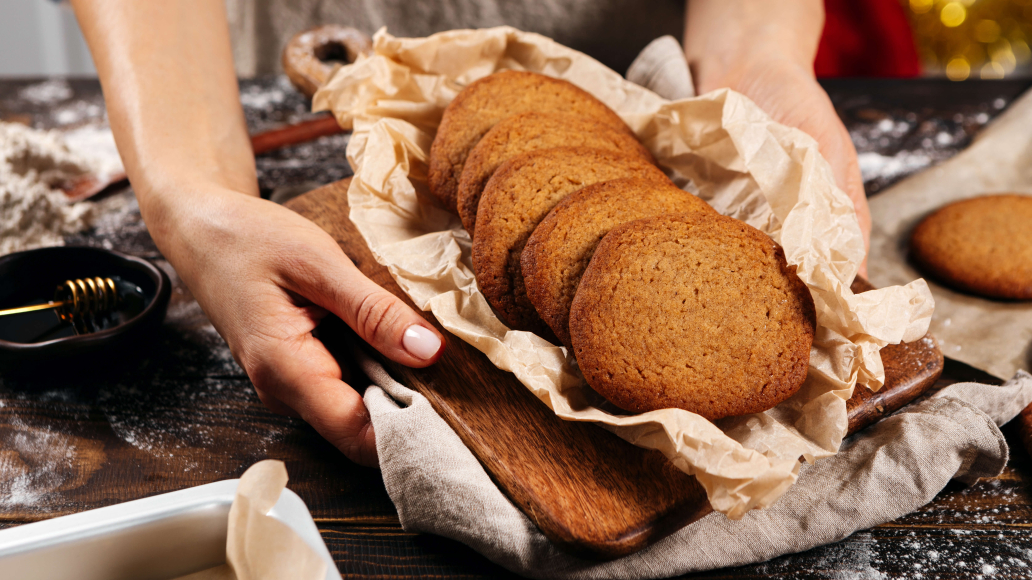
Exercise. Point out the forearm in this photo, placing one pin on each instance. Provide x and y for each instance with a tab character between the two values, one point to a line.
723	37
167	73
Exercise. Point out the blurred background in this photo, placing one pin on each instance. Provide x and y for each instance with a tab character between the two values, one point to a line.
963	39
41	38
955	39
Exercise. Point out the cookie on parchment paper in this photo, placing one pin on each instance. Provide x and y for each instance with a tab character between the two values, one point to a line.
529	132
519	195
487	101
981	245
695	311
562	245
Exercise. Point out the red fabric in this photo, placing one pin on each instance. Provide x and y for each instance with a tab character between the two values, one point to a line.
866	38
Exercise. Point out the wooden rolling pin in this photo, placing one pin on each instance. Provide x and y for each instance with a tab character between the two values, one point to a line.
87	186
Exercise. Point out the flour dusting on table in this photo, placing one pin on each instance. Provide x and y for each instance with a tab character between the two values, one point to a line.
34	212
35	463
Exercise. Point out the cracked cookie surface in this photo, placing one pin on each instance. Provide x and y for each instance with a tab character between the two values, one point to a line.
529	132
517	197
693	311
563	243
487	101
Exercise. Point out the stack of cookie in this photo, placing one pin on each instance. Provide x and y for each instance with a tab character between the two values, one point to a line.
579	237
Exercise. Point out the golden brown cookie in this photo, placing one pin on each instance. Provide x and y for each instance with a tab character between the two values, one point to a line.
528	132
562	245
485	102
981	245
519	195
695	311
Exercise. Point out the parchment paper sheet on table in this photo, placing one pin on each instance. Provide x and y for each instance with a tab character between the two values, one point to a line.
992	335
720	146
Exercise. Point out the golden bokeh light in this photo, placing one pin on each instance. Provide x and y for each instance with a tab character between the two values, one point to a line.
921	6
992	70
1022	54
987	31
963	39
958	69
1000	52
953	14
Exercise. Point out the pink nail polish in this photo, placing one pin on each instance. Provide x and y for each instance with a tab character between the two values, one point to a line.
420	342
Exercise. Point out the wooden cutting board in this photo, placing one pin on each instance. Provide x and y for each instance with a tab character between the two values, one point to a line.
589	491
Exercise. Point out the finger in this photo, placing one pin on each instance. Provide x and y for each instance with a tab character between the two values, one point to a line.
304	376
275	405
378	316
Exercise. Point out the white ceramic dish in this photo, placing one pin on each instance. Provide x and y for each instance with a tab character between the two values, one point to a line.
156	538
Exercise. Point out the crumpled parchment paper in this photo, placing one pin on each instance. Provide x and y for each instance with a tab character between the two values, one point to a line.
992	335
720	146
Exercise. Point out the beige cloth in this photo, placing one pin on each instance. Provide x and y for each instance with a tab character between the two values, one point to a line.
612	31
662	68
884	472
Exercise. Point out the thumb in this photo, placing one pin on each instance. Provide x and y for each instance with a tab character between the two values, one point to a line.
378	316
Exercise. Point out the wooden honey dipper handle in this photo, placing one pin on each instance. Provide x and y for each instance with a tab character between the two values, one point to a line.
307	57
82	296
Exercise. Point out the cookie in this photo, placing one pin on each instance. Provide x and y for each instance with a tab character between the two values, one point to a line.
695	311
528	132
981	245
519	195
487	101
562	245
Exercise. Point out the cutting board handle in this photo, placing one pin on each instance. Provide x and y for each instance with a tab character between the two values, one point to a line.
311	57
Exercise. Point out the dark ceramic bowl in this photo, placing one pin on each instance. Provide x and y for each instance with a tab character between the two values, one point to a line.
32	275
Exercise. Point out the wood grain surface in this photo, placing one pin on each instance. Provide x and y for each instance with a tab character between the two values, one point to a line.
585	488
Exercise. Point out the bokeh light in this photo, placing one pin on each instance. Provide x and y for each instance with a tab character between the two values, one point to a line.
963	39
921	6
987	31
958	69
953	14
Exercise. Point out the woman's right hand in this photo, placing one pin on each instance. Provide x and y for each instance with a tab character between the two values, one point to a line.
266	277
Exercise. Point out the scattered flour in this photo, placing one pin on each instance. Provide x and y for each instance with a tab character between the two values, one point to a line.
33	164
34	463
257	97
47	92
77	112
97	145
874	165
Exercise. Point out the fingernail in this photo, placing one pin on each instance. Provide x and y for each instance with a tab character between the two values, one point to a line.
420	342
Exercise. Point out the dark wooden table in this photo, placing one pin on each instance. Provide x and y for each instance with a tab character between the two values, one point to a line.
187	415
